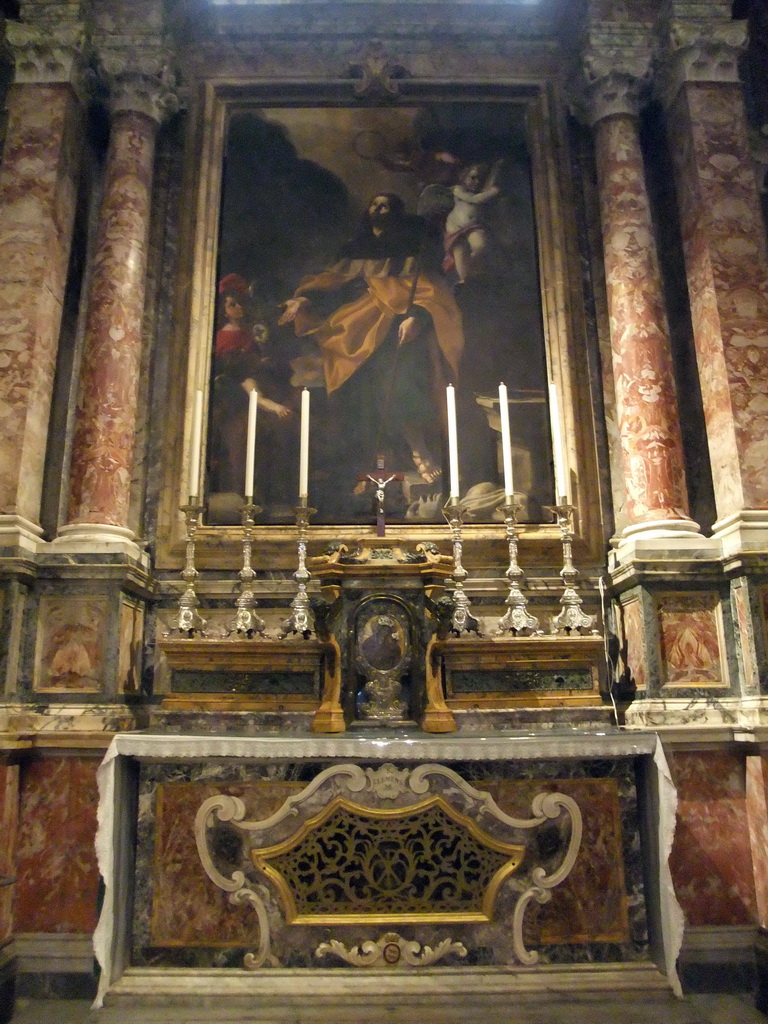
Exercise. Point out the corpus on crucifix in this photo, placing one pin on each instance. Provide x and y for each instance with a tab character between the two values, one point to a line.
380	478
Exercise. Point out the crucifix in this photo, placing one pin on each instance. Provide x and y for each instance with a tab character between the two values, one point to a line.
380	481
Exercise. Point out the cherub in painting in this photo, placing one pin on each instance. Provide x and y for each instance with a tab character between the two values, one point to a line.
466	229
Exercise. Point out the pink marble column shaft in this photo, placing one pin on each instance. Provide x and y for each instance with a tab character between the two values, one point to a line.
106	413
38	188
727	267
646	399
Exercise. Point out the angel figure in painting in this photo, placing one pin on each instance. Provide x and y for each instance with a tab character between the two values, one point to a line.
242	364
390	336
466	230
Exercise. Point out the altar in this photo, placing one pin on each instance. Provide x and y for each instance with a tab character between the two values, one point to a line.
571	829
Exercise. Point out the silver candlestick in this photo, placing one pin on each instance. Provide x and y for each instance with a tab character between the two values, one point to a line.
300	619
189	621
516	619
246	621
571	619
462	620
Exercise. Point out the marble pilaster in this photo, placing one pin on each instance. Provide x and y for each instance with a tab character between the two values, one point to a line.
9	820
757	817
57	880
38	187
102	454
749	634
711	857
642	362
725	254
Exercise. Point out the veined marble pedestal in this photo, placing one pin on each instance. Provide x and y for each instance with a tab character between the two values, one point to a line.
310	993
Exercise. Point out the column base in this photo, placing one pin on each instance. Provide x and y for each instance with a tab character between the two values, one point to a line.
661	539
660	529
98	539
17	532
746	530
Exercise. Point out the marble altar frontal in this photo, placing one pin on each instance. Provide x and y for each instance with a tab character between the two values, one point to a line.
187	915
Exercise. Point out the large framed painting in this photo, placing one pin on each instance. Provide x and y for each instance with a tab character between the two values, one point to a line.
373	255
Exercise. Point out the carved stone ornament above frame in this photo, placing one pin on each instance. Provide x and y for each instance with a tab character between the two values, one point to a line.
377	73
385	845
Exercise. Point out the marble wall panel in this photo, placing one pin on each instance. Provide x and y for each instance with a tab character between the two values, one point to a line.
38	183
757	814
634	637
57	877
186	909
727	268
9	822
71	640
763	608
591	904
130	646
690	636
711	859
747	641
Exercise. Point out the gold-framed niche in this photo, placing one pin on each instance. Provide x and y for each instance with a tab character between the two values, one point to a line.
542	109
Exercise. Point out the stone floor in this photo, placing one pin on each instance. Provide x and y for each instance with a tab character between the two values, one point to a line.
694	1009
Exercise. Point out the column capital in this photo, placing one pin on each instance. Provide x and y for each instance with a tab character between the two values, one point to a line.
615	71
141	80
696	43
51	54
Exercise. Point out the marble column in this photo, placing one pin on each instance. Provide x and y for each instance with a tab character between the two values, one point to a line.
38	190
646	399
102	453
726	259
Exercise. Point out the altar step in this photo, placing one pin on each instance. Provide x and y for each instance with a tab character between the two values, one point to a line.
619	1009
473	996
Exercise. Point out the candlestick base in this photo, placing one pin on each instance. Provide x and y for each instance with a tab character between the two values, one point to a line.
516	620
247	623
300	620
571	619
188	621
462	620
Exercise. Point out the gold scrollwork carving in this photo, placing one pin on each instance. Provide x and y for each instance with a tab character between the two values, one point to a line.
423	863
436	857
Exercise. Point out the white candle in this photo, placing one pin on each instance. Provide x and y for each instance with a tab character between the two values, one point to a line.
196	446
250	443
558	453
304	450
506	442
453	442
